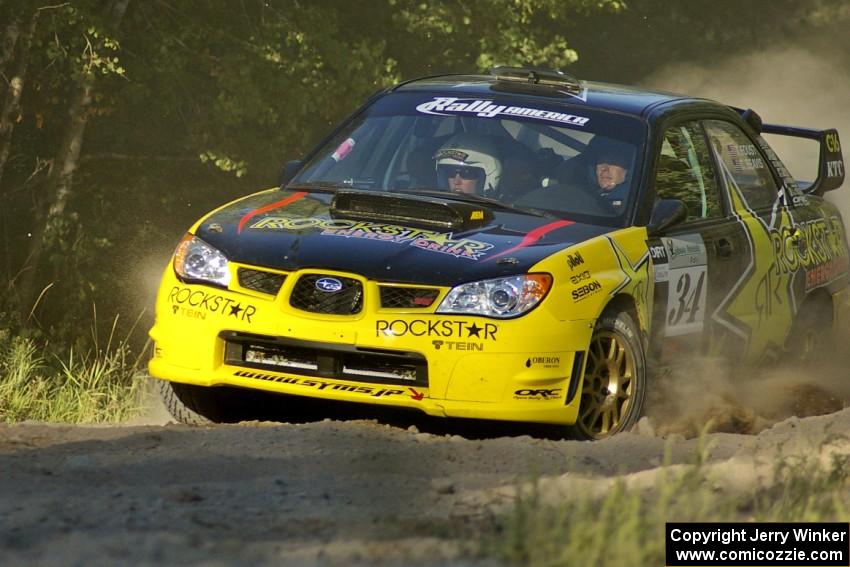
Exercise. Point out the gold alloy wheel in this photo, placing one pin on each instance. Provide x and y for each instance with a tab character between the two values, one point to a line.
609	385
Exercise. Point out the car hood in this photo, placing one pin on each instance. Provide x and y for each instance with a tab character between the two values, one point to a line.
289	230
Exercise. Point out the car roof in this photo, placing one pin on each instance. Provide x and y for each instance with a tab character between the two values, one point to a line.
608	96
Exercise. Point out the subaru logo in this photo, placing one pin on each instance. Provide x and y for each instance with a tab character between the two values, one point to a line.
329	285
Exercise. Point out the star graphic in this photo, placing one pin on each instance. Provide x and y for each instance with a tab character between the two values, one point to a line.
474	330
760	306
236	309
637	281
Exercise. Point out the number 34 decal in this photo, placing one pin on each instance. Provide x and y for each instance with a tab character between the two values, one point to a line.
686	300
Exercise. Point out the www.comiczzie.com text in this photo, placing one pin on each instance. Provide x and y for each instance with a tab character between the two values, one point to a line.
741	544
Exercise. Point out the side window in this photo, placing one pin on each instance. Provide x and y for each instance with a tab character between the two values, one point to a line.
685	172
743	162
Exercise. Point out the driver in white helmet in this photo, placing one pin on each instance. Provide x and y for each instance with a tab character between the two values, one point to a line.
468	164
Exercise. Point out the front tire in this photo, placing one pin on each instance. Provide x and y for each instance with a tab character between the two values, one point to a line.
192	405
614	386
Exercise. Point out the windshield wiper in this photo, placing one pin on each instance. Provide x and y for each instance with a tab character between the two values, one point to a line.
469	198
362	184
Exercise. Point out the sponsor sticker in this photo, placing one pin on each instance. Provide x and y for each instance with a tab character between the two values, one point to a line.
440	344
574	260
543	362
584	291
435	328
687	273
537	394
448	105
428	240
317	384
197	304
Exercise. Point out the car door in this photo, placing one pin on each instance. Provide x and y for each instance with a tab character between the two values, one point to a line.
757	311
696	262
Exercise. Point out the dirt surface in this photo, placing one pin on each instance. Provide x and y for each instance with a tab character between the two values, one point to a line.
386	490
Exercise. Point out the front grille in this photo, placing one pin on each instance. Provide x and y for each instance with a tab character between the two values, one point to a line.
347	301
407	297
342	362
258	280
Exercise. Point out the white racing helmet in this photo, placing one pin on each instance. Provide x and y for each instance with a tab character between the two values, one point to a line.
473	157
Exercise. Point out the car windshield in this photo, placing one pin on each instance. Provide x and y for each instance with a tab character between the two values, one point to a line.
526	154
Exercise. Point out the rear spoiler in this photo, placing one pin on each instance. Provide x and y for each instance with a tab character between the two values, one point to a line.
830	160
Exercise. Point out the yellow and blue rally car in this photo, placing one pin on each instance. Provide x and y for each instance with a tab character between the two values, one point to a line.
515	246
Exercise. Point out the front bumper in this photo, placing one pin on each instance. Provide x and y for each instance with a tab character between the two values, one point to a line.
527	369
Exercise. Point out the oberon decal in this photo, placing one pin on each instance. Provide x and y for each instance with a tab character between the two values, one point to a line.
435	328
544	361
447	105
197	303
442	242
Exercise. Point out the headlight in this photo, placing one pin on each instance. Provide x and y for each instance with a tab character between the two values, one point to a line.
500	297
195	260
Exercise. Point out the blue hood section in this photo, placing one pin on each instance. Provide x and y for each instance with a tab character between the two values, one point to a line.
289	230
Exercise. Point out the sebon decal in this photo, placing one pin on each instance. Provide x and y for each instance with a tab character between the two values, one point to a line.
584	291
447	105
428	240
688	284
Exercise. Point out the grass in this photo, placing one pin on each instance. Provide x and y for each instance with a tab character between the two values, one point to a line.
625	526
98	386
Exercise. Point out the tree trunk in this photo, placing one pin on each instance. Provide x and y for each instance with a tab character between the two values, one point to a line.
7	51
15	88
59	183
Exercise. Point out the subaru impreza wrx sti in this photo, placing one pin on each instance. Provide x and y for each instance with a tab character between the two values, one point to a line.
519	246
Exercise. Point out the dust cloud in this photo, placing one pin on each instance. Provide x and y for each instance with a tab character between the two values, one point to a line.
792	86
728	398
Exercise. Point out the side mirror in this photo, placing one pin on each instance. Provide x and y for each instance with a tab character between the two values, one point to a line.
289	170
666	213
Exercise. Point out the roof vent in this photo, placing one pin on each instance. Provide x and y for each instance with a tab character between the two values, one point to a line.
540	77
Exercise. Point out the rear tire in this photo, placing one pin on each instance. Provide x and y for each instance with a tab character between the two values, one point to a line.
614	386
811	339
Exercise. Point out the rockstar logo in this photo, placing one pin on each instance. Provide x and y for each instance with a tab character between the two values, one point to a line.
474	331
235	310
